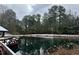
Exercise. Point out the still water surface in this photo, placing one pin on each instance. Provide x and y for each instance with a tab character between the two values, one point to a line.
42	46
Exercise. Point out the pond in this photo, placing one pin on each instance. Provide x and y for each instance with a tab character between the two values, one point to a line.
43	46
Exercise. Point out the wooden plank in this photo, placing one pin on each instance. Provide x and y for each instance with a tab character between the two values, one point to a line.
7	49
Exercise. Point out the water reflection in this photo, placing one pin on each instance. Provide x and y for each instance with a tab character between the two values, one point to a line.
37	46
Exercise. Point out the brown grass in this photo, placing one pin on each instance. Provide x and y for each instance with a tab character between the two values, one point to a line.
63	51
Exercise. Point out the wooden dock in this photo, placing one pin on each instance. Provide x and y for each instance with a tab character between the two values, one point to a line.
6	50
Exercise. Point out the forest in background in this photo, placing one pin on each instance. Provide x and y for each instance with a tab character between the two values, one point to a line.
55	21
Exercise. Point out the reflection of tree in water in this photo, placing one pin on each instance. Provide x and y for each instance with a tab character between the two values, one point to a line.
34	45
37	46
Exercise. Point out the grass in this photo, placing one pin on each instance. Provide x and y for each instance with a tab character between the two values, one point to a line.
63	51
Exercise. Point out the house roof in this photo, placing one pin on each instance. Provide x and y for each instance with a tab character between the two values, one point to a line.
3	29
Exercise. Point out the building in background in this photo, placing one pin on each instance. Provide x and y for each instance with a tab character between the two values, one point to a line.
2	31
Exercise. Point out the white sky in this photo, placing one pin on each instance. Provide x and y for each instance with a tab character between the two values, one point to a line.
25	9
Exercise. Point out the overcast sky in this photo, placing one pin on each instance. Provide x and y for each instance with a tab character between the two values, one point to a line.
25	9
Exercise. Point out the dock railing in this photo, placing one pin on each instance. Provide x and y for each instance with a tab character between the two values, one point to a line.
7	49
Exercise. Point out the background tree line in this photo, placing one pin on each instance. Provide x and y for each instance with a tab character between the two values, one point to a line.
55	21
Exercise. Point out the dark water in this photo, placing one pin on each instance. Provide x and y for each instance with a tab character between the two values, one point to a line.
37	46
